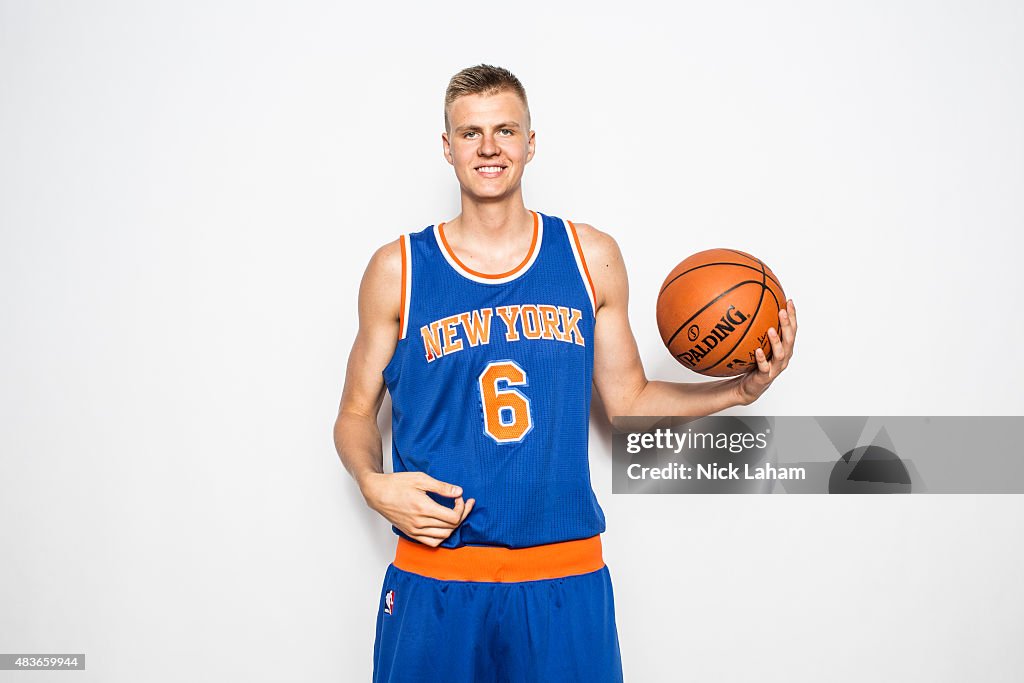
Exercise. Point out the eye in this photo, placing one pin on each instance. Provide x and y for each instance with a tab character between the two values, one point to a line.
469	134
506	132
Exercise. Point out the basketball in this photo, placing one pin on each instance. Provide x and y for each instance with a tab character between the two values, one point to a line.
714	311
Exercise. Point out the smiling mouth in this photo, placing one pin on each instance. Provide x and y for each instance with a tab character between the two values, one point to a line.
490	171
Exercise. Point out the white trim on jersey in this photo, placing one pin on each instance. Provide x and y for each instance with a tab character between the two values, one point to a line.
571	235
523	267
407	276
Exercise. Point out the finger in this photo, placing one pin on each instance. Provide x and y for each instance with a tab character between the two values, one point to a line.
428	483
785	326
469	508
437	532
778	351
429	540
788	332
790	337
434	514
762	361
462	509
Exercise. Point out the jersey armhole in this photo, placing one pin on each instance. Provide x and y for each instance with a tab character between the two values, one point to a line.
581	264
403	315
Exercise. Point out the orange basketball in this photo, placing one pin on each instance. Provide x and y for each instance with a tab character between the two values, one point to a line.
715	309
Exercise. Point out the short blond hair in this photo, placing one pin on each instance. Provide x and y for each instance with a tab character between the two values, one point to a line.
483	79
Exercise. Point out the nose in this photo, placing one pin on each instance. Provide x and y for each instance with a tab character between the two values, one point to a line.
488	146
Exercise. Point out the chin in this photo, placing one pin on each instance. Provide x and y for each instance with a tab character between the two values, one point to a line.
493	194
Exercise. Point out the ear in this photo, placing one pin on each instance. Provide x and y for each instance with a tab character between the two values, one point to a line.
447	148
531	146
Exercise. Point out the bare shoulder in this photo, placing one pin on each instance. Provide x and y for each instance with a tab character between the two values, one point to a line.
605	264
599	248
381	288
387	260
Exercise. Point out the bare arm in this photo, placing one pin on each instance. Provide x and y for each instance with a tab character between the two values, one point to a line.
401	498
356	436
618	371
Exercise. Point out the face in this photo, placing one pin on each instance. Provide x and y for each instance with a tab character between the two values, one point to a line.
489	143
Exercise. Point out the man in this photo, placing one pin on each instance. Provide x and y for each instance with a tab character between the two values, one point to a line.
489	331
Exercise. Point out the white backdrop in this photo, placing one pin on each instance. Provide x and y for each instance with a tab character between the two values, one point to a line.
189	193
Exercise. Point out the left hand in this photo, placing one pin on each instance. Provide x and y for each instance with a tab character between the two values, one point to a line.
754	383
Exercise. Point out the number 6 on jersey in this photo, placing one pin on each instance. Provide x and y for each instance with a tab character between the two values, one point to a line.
507	417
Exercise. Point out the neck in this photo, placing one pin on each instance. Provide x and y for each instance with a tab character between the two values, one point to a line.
503	218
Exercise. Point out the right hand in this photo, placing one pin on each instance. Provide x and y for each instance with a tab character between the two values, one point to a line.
402	499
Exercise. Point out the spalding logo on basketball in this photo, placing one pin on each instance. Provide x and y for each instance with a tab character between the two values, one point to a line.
715	309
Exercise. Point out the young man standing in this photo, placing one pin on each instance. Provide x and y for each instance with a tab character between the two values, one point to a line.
489	331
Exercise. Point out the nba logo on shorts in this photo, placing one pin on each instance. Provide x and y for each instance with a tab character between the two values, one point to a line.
389	602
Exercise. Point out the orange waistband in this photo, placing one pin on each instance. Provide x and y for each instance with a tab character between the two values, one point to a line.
502	565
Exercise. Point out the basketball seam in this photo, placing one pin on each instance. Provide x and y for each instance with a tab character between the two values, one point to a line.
749	326
708	305
717	263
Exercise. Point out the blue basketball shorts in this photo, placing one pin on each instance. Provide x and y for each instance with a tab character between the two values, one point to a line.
490	615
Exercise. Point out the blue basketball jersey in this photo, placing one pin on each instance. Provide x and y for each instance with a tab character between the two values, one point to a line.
490	386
